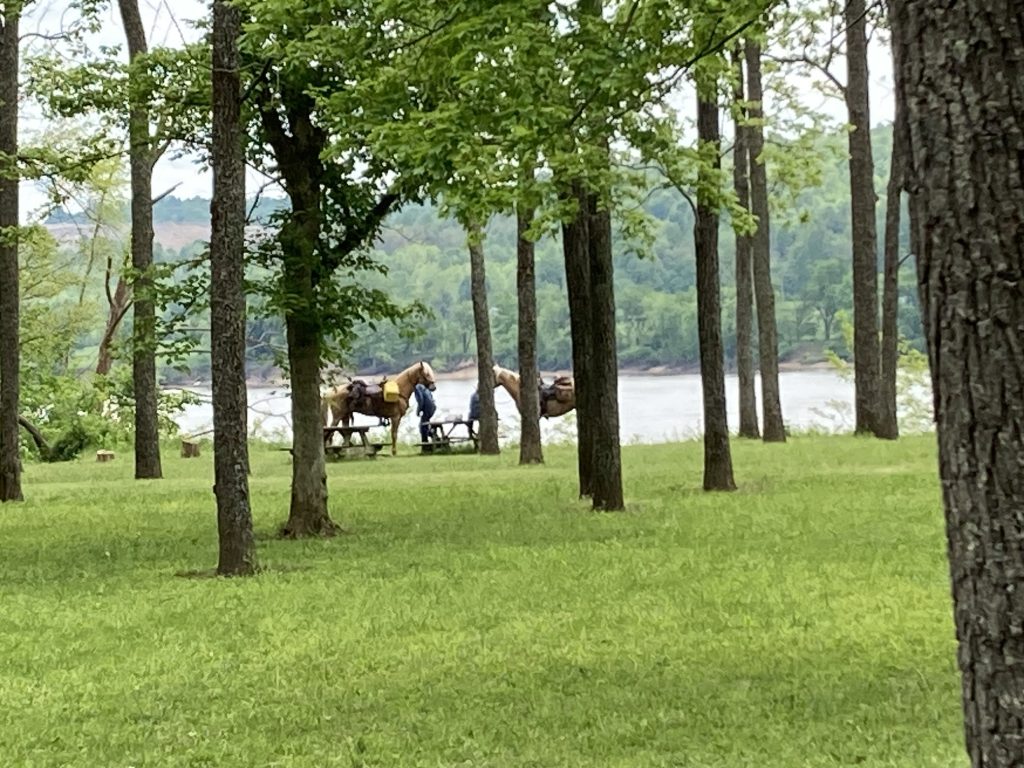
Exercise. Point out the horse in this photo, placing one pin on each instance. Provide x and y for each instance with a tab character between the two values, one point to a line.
372	403
555	400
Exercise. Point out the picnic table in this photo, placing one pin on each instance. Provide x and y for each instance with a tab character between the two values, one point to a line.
364	445
444	433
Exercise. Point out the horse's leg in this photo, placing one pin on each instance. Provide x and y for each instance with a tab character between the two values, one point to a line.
394	434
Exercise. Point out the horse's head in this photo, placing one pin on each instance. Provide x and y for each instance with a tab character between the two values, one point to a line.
500	375
426	376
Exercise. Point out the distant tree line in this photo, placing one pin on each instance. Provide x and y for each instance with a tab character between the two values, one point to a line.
656	291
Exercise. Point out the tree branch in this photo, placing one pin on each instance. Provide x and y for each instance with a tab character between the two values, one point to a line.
357	235
162	195
805	59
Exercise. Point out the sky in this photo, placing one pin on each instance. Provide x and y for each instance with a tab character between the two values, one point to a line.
167	23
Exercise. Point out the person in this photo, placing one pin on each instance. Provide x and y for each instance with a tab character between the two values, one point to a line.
425	408
474	406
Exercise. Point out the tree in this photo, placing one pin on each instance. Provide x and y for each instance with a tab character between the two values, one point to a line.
484	357
597	383
959	84
142	157
575	248
888	424
530	449
10	460
744	275
767	335
227	301
309	133
828	292
862	213
717	455
601	376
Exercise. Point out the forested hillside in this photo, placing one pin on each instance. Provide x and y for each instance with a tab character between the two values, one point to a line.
427	261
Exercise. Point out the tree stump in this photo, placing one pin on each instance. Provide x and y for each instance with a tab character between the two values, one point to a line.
104	456
189	449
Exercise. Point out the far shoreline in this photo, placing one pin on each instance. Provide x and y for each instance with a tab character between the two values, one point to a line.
469	373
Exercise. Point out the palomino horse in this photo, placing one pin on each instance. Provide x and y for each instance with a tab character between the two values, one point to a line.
342	406
555	400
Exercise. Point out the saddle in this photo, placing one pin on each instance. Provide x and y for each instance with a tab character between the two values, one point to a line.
361	392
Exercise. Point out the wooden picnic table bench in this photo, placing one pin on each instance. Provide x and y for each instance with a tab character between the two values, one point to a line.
339	451
444	433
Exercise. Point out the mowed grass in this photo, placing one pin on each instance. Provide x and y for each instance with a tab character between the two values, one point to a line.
477	614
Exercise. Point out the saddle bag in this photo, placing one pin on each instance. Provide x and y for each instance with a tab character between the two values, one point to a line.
391	393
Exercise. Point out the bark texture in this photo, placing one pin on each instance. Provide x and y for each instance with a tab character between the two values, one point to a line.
960	80
717	455
10	387
147	432
862	213
888	423
484	355
767	334
744	274
530	449
602	374
575	248
237	549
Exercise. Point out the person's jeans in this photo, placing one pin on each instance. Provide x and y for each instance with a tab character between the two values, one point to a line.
425	429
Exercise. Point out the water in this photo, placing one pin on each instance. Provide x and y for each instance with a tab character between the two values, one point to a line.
652	409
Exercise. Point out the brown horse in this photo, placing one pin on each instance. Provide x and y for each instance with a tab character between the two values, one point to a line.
342	407
555	400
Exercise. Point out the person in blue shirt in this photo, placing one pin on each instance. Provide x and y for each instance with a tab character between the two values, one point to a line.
474	406
425	408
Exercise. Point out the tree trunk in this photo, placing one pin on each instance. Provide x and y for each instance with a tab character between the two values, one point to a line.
147	432
484	356
237	550
744	275
308	514
530	450
119	304
717	456
767	334
576	250
888	424
300	234
10	361
862	212
42	445
603	372
960	82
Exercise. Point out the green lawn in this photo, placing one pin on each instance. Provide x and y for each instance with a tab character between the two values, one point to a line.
477	614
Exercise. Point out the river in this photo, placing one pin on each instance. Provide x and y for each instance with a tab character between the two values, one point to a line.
652	409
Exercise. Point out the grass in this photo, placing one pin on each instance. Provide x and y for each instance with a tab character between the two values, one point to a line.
477	614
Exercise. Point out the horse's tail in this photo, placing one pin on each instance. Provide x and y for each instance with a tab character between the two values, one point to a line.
332	405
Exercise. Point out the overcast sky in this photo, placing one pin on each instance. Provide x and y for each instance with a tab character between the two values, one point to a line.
165	27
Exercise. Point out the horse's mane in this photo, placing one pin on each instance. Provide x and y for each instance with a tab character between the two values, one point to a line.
498	370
